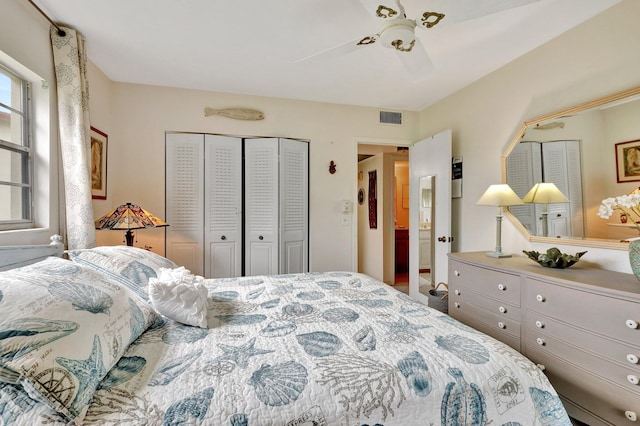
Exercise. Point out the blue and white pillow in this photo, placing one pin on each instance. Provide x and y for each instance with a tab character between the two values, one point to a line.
63	326
131	266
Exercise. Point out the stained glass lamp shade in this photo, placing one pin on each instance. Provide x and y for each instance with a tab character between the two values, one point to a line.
128	217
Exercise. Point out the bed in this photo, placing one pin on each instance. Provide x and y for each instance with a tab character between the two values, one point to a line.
81	341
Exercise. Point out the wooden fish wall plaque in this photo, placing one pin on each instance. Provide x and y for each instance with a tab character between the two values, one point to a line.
236	113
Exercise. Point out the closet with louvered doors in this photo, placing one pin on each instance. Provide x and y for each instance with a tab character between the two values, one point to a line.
237	206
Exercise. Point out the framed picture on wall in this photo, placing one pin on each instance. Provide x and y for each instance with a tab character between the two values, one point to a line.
628	161
99	142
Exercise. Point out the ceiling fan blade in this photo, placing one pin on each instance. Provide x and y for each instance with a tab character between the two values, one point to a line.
384	9
342	49
416	61
443	13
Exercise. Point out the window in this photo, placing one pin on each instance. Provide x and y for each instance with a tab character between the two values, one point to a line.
16	168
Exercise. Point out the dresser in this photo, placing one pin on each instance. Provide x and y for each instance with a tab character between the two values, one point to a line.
580	325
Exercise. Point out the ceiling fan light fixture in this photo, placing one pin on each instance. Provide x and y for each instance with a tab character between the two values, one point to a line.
398	34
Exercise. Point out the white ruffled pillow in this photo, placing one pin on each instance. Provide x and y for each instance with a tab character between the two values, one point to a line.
180	295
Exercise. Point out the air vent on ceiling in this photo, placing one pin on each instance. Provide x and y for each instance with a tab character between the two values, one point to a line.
390	117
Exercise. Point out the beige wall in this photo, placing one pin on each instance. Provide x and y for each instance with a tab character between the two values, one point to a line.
371	240
595	59
136	118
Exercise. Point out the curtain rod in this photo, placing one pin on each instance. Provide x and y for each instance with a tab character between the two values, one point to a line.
61	32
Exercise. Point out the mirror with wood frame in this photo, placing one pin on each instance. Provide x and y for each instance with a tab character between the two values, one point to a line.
582	150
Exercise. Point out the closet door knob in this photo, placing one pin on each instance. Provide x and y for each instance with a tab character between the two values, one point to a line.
633	379
632	324
633	359
223	238
261	238
630	415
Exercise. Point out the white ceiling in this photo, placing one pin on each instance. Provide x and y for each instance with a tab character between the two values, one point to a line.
251	46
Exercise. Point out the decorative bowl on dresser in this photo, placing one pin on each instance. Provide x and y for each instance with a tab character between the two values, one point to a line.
580	325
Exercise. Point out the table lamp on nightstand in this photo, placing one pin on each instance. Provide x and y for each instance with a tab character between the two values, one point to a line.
499	195
128	217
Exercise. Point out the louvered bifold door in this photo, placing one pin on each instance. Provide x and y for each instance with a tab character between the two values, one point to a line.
261	206
222	206
184	200
554	160
294	206
523	171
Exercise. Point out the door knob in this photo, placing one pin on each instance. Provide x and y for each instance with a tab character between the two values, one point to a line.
442	239
261	238
223	238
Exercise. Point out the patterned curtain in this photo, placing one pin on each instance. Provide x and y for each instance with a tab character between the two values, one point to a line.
70	62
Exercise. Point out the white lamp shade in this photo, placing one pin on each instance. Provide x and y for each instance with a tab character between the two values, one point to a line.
545	193
499	195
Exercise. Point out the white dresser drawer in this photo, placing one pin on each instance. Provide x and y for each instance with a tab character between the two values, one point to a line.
503	329
498	307
627	376
623	353
495	284
602	399
607	316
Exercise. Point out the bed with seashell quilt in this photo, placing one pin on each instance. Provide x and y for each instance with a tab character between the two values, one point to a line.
122	336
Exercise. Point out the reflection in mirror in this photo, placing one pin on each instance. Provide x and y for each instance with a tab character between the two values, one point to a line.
427	189
575	149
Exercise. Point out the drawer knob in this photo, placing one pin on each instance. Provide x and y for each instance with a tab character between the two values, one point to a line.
502	325
630	415
633	359
456	304
539	324
457	292
456	273
502	287
223	238
632	324
540	341
502	310
633	379
540	298
541	367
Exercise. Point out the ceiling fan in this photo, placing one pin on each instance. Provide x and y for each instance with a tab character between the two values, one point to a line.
398	31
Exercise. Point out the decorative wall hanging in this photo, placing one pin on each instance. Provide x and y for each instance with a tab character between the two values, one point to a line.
98	164
360	196
332	167
628	161
373	200
236	113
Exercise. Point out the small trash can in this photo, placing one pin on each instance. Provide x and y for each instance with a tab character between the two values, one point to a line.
437	299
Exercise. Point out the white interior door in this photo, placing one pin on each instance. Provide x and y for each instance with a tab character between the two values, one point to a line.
261	202
184	200
294	206
430	157
223	206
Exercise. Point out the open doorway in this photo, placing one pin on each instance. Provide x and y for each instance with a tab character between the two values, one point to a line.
383	213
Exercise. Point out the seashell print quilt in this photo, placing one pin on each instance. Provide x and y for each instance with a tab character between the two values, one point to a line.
334	348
